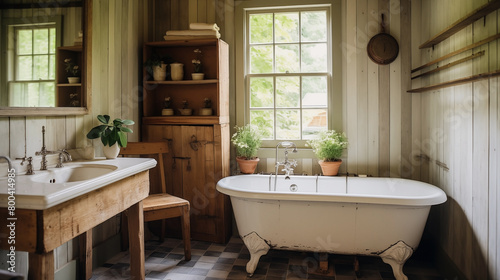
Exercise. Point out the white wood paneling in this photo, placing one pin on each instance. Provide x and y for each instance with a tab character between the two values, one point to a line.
468	118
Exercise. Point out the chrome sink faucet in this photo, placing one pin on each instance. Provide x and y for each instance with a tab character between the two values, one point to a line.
7	159
288	165
64	156
44	152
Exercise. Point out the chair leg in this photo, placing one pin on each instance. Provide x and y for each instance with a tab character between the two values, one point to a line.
186	233
162	231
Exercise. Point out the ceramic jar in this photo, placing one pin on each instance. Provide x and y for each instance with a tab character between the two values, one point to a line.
177	71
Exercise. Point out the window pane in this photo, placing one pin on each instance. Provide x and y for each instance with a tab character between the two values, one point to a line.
313	26
287	124
47	95
24	68
41	43
52	41
287	92
261	59
264	120
24	43
261	92
314	91
52	67
287	27
287	58
314	58
33	96
261	28
314	120
41	67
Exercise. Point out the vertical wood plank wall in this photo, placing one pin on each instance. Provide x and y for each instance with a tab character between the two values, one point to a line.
459	126
119	29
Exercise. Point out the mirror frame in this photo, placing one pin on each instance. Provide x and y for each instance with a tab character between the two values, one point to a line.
86	79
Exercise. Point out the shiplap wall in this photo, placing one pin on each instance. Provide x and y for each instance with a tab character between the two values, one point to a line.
460	126
119	29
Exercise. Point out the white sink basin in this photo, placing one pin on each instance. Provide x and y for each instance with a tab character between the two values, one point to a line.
73	173
51	187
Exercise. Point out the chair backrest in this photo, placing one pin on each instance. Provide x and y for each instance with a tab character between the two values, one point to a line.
149	148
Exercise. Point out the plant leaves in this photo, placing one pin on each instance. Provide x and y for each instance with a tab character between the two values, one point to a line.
128	122
96	131
103	118
126	129
123	139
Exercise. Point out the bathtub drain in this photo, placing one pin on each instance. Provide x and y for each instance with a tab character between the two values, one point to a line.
294	187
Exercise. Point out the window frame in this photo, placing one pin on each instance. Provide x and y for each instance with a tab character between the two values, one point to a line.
334	95
7	33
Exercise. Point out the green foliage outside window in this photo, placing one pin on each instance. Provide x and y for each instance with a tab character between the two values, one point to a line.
288	73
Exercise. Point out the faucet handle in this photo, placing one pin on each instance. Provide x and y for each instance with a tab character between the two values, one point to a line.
23	159
29	166
293	163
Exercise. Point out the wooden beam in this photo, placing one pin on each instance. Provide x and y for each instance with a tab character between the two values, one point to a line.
481	53
85	242
482	42
458	81
462	23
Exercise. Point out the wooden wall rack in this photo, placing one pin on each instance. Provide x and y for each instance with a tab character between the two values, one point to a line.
462	23
472	78
472	56
469	47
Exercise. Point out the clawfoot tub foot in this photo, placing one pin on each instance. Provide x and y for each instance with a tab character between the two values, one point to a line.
396	256
257	248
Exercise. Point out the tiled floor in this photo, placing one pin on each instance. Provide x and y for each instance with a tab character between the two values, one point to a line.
216	261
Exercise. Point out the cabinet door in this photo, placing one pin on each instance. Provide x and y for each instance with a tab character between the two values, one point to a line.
198	181
190	174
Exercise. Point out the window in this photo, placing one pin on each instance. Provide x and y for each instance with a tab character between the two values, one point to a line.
288	71
33	65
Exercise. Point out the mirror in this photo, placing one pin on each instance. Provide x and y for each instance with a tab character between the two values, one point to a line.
42	44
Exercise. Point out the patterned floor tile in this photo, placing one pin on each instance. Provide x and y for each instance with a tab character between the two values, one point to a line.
211	261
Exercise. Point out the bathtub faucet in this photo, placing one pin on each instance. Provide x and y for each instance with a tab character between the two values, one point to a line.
288	165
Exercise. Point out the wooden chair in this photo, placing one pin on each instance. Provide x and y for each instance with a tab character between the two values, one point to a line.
161	206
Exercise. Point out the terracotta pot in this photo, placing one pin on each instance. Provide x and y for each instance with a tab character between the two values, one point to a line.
160	72
111	152
330	168
73	80
247	166
205	111
198	76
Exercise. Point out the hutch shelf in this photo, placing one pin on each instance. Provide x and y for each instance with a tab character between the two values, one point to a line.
199	145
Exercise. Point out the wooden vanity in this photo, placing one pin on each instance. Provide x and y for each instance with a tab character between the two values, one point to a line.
39	232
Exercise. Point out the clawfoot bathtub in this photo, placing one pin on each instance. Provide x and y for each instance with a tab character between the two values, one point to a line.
382	217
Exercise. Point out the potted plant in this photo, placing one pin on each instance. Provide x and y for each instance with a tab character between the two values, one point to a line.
197	75
247	140
167	111
72	71
207	107
328	147
185	111
113	135
157	66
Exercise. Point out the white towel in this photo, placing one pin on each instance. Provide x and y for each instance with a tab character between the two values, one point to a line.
203	26
213	33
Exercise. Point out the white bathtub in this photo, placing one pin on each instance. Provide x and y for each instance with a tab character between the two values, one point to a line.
345	215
